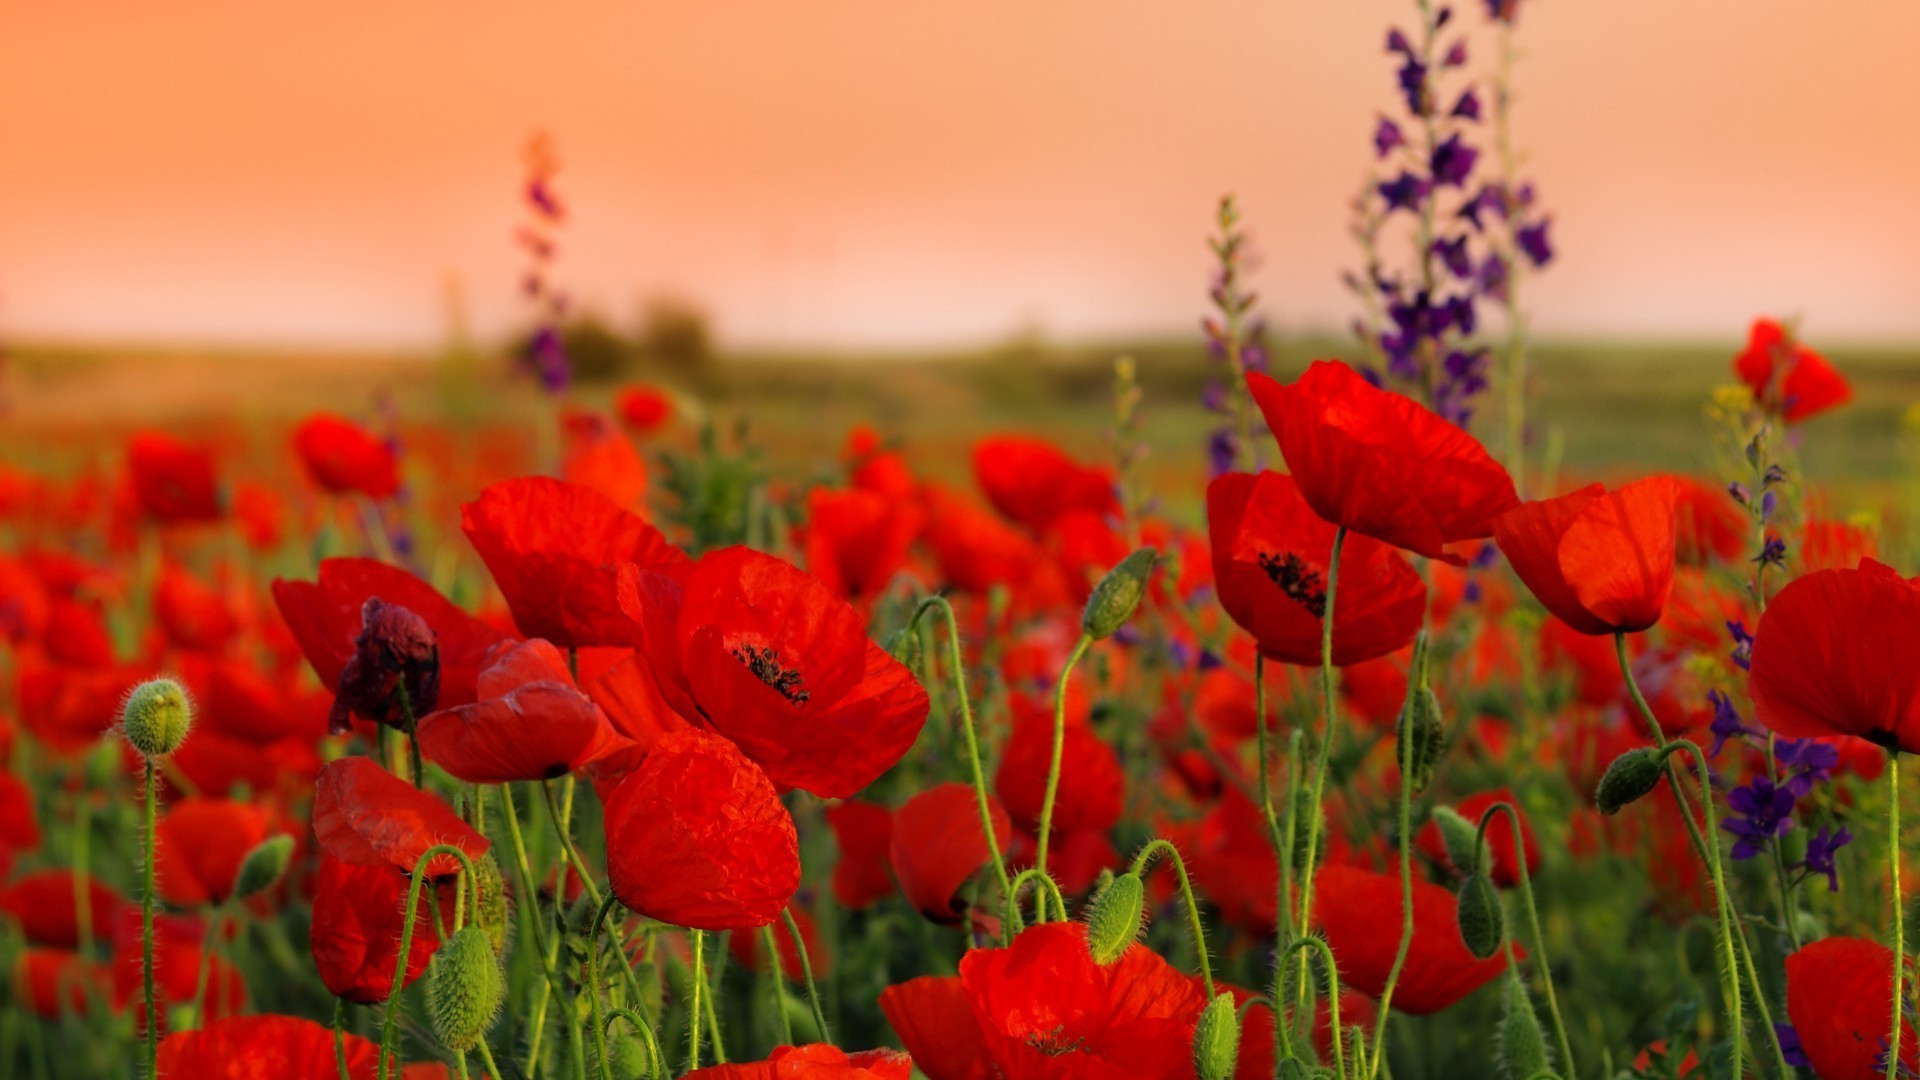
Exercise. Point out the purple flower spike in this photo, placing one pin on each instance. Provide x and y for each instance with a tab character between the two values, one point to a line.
1762	813
1820	851
1386	137
1453	162
1405	192
1468	107
1533	240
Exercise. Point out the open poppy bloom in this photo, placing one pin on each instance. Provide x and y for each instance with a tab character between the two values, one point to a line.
555	549
819	1061
1710	526
46	905
1601	562
193	616
1786	376
1032	481
938	844
857	540
1360	912
530	723
343	458
200	844
1840	1001
1381	464
1270	556
49	982
643	408
172	481
1505	863
358	915
599	457
178	955
1834	656
365	815
753	648
696	837
1091	782
283	1047
863	831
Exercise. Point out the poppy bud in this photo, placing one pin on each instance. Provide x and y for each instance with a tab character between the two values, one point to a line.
464	988
1295	1069
1632	776
905	646
627	1058
1462	838
1423	736
1482	923
1523	1046
263	866
1115	918
156	717
1216	1039
492	914
394	671
1117	594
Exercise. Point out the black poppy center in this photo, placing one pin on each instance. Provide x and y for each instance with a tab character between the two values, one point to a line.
1055	1043
1885	740
765	665
1303	585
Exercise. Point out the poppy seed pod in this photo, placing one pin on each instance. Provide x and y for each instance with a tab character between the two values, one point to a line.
1115	918
263	866
1482	923
1118	594
156	717
1522	1045
465	988
1632	777
1462	839
1216	1039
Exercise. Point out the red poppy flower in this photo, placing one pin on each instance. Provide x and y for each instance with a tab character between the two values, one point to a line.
1074	860
1834	545
1381	464
1091	784
643	408
1840	1001
934	1019
69	708
19	825
747	952
178	957
977	551
697	837
863	831
1833	656
200	844
46	905
819	1061
1709	524
1232	863
343	458
261	514
529	724
193	616
1270	558
938	844
555	550
1506	868
1601	562
365	815
757	650
172	481
856	540
76	634
1033	482
1788	377
873	466
48	982
1360	912
358	915
325	618
283	1047
599	457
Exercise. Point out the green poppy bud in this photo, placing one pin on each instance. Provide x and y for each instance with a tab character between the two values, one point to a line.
1216	1039
1423	736
627	1058
263	866
1117	594
1115	918
494	915
465	988
1632	776
1482	922
156	717
1462	839
1522	1052
905	646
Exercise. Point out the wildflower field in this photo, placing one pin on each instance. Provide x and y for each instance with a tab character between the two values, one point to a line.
1425	704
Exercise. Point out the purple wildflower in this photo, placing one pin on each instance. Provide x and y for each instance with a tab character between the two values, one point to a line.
1456	56
1404	192
1726	722
1790	1045
1762	812
1533	241
1811	761
1453	253
1452	163
1468	107
1387	136
1742	644
1223	449
1820	851
1773	552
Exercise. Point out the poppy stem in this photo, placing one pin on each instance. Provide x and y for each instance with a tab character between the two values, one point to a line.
594	988
1044	887
1404	745
1142	863
401	959
538	1026
1324	752
206	966
566	842
1533	926
699	982
774	982
656	1062
1899	906
1320	946
1059	750
146	930
806	972
1283	908
413	741
973	741
340	1037
486	1058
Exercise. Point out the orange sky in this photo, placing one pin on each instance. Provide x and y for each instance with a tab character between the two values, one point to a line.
873	172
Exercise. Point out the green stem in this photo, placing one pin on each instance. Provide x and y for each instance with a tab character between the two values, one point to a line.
146	931
571	853
1044	885
206	967
340	1037
1789	909
699	983
524	868
1333	997
806	972
774	983
593	988
486	1058
82	892
1899	905
1405	747
413	740
1533	927
1059	750
1324	752
400	963
1142	863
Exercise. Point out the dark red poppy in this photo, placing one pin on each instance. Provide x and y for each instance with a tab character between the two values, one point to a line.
192	615
1032	481
597	456
747	951
358	915
1601	562
1382	464
643	408
1506	868
857	541
46	905
697	837
1834	656
172	481
200	844
1710	526
77	634
326	616
753	648
530	723
819	1061
938	844
555	550
283	1047
344	458
68	709
1360	912
1786	376
1092	785
365	815
934	1018
1840	1001
49	982
1270	558
863	874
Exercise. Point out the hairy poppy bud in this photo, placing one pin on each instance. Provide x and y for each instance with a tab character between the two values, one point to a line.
156	717
394	671
1522	1051
627	1058
1115	918
1482	923
1117	594
263	866
493	913
1295	1069
1632	777
464	988
905	646
1216	1039
1462	839
1423	736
